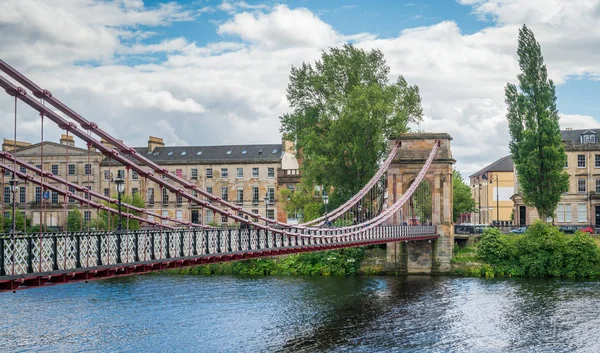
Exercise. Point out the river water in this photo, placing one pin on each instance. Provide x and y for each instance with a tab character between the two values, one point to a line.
163	313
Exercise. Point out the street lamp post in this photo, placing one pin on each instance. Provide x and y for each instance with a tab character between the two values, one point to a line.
14	187
326	201
495	176
359	213
120	186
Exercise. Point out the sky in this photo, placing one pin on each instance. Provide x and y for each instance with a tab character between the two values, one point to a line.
212	72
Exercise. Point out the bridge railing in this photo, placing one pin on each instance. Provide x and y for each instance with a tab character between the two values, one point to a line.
27	254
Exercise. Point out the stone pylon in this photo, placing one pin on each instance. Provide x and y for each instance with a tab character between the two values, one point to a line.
423	256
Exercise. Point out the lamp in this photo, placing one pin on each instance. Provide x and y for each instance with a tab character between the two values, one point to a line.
120	187
326	201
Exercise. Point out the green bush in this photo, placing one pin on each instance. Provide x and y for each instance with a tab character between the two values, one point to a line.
542	251
341	262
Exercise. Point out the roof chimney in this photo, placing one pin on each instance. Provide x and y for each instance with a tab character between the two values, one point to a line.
154	142
9	145
569	128
67	140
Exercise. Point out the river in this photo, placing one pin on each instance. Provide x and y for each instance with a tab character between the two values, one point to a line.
161	313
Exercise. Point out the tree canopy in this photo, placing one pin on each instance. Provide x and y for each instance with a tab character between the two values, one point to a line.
344	110
462	200
535	144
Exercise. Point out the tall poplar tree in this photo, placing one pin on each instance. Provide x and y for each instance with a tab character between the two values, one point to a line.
535	144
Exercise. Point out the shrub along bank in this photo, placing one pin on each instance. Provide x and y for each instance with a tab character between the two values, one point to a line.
542	251
326	263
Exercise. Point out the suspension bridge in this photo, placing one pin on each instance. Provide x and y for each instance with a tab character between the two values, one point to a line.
407	204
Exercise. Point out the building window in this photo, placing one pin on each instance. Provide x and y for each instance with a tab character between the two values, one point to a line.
194	172
560	213
568	218
23	170
567	162
121	173
87	216
291	188
194	193
255	172
72	191
224	173
107	192
581	161
22	194
55	169
255	211
597	185
134	191
224	218
240	172
71	169
38	194
209	216
240	196
588	138
209	190
208	173
179	173
106	175
54	197
179	215
597	160
224	193
150	196
88	169
87	194
165	214
271	214
271	173
581	213
165	196
179	199
581	186
271	194
255	195
135	175
7	194
38	166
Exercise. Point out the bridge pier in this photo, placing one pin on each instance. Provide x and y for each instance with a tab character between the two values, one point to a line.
428	256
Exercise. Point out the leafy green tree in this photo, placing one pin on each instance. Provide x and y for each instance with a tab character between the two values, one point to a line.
304	201
102	222
462	199
19	222
535	144
344	110
74	221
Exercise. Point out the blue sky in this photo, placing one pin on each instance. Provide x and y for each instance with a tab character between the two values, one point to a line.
202	72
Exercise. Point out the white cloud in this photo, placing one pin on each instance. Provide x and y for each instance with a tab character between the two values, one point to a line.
233	90
281	28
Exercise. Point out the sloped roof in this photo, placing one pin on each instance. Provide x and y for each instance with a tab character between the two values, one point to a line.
54	149
228	154
504	164
573	135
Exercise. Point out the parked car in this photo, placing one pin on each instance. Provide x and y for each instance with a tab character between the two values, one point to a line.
568	229
519	230
588	230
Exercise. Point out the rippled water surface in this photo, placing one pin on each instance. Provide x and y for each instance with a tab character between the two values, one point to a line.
323	314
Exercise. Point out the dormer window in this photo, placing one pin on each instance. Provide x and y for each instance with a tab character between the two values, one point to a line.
588	137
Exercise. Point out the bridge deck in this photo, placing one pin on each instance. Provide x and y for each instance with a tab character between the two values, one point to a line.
33	261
